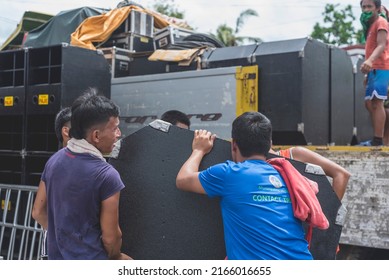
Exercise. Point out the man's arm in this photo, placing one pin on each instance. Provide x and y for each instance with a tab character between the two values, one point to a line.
366	66
188	176
39	210
111	234
339	175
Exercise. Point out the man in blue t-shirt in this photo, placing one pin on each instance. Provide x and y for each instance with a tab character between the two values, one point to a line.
256	206
78	196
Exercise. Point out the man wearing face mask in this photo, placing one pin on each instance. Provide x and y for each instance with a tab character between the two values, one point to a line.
376	66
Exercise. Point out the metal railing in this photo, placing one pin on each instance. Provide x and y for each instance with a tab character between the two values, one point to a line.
20	234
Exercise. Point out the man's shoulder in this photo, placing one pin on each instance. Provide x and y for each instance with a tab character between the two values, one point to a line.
381	23
56	155
382	19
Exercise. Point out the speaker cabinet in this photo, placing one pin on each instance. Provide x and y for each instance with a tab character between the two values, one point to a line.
231	56
341	97
159	221
294	89
58	74
35	83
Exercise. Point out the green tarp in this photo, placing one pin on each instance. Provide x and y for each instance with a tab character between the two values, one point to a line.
58	29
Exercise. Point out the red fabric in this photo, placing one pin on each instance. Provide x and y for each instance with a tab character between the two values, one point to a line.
284	153
308	236
302	191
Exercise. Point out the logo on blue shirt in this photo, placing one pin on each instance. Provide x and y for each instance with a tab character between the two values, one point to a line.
275	181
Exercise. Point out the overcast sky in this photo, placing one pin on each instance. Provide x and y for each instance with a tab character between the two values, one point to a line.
278	20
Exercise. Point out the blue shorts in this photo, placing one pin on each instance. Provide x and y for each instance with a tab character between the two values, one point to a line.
377	84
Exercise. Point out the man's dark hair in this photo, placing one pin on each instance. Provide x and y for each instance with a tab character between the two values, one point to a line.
61	119
175	116
88	110
377	3
252	132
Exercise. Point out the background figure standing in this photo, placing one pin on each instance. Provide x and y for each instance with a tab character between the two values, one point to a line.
177	118
78	196
376	66
62	126
257	212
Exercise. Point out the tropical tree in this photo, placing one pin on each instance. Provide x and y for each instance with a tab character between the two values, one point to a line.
169	8
226	35
229	35
338	28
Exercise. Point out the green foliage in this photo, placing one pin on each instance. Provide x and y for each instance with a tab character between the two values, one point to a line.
226	35
168	7
338	27
229	35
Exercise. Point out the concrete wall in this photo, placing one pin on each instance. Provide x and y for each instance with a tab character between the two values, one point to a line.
367	195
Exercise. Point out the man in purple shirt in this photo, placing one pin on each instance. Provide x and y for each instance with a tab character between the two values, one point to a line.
78	196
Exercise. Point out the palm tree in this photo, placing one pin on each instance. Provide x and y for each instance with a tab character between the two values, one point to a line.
228	35
168	8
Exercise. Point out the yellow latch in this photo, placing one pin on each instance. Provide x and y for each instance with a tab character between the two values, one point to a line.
246	89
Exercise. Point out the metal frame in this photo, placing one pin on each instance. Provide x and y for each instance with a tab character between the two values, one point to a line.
20	239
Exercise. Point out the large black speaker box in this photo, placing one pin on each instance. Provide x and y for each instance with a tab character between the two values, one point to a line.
11	165
35	83
231	56
305	88
294	87
341	97
12	81
59	74
12	99
159	221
